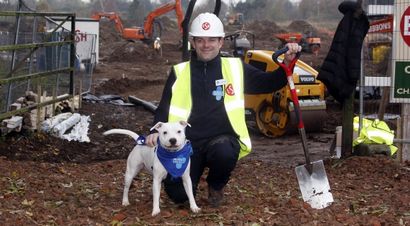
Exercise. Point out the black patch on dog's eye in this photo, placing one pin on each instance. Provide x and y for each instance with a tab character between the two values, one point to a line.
165	132
179	131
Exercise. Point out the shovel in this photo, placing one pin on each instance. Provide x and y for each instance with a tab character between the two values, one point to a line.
312	178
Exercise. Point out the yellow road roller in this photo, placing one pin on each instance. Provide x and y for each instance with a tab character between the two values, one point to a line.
273	113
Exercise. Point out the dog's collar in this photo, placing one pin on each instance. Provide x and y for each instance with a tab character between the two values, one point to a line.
175	162
140	140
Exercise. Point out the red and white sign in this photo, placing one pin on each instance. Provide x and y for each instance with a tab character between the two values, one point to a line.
382	26
405	26
84	29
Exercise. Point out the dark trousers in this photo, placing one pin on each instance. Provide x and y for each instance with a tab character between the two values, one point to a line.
219	155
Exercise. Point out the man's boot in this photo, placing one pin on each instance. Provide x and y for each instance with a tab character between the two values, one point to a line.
215	197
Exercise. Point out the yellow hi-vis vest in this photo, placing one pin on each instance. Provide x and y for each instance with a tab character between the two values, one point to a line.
374	132
181	100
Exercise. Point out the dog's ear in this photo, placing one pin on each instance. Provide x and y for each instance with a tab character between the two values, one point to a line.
184	123
157	126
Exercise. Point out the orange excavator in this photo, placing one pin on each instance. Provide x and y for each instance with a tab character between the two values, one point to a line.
152	28
309	43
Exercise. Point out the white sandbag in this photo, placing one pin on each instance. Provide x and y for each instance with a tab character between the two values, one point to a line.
48	124
65	125
79	131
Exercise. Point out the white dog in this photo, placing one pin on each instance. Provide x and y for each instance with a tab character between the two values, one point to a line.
172	138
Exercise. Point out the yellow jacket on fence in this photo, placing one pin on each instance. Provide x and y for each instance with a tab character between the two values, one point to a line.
374	132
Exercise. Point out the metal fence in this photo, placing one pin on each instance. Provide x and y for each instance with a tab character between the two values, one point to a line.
36	60
38	55
89	62
375	85
84	63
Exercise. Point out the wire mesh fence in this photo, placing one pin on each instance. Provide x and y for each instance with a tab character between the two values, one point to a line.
28	47
384	89
17	62
375	88
33	60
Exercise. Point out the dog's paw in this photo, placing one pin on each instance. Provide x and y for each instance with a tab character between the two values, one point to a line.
155	212
195	209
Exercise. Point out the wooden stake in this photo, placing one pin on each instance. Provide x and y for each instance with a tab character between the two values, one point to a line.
80	94
54	90
38	105
385	92
383	103
347	123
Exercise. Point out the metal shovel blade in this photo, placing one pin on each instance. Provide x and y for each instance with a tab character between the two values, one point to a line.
314	186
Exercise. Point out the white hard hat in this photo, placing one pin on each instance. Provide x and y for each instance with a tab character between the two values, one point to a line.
207	25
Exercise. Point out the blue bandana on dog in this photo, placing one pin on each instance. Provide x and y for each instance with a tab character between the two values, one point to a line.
175	162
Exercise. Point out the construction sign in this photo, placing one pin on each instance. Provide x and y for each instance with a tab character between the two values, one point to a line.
384	25
401	53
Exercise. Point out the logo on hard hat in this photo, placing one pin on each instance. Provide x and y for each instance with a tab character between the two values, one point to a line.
206	25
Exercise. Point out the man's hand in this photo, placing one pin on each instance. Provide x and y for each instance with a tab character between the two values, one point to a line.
151	140
291	53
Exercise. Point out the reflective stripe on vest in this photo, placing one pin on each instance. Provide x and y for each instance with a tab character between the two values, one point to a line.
181	101
232	71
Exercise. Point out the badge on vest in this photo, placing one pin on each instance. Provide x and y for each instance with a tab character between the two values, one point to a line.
220	82
218	93
229	90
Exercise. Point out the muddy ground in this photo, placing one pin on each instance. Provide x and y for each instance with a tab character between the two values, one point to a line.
49	181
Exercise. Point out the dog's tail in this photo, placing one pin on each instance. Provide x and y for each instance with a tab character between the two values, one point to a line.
122	131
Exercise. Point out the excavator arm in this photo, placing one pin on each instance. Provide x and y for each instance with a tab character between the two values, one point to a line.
112	16
149	20
148	31
126	33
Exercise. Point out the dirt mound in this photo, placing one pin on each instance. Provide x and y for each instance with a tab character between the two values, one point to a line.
301	26
114	48
45	148
108	33
121	86
170	30
131	52
168	24
265	29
